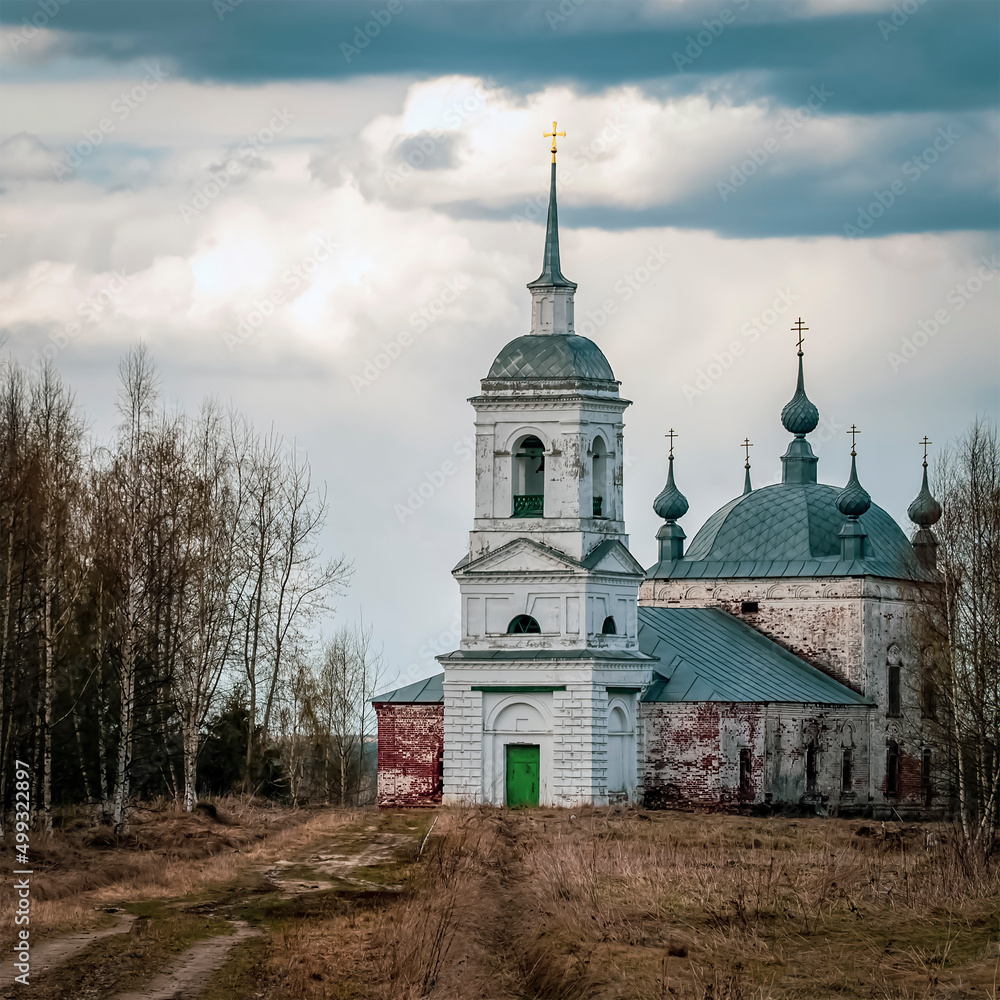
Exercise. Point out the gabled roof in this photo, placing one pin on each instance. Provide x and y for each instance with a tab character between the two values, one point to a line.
708	655
425	692
527	555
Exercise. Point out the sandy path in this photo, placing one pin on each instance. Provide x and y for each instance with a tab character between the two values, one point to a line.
49	954
187	976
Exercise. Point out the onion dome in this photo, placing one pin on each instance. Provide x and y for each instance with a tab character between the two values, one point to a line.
671	503
800	415
853	500
925	510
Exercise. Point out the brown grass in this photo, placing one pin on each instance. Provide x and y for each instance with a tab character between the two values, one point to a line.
617	904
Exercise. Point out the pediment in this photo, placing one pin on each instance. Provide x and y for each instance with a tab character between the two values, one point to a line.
613	557
521	556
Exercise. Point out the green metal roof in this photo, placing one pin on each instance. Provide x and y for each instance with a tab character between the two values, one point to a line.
556	355
791	530
708	655
425	692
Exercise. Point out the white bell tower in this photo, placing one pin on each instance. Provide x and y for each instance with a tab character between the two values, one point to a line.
549	660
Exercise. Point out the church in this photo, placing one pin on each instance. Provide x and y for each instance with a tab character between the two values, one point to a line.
774	661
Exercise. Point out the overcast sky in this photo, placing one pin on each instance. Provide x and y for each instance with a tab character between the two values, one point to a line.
270	193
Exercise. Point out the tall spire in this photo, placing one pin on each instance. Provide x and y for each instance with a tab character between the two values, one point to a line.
799	417
552	292
551	272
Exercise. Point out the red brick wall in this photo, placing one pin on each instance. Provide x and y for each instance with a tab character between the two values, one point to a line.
410	748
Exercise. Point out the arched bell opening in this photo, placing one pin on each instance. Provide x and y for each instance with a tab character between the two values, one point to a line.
529	478
599	479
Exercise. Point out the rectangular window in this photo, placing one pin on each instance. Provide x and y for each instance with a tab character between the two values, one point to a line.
894	708
749	608
811	767
892	769
746	781
926	781
847	770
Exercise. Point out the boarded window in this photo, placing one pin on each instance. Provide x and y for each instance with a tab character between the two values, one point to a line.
811	767
847	770
892	768
894	701
746	778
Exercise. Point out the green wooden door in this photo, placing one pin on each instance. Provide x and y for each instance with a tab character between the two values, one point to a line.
522	775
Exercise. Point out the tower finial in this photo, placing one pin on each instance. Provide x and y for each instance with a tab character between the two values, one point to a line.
924	512
799	326
852	503
854	432
553	134
670	505
746	446
799	417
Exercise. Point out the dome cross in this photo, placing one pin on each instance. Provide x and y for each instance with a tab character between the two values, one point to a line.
671	435
798	327
926	441
854	432
552	135
746	446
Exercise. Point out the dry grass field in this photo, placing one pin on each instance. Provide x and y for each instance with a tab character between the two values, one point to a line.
547	905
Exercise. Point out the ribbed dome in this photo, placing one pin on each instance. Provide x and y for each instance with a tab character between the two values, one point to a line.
671	503
793	529
800	415
558	355
925	510
854	499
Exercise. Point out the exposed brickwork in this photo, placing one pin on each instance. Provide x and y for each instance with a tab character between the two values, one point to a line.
410	751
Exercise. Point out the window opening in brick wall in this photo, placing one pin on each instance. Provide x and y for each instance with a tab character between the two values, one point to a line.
746	778
811	767
894	708
749	608
926	781
892	768
847	770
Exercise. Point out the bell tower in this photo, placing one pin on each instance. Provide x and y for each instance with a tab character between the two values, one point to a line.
549	589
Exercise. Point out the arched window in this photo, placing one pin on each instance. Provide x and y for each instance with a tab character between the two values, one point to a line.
892	768
602	507
609	627
619	742
529	478
523	624
746	777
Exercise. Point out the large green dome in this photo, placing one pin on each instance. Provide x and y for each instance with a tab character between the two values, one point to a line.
791	530
549	356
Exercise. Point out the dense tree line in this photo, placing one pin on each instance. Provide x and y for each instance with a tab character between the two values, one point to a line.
158	597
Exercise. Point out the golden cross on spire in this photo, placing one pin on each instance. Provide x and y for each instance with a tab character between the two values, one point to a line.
925	443
799	326
746	446
671	435
552	135
854	432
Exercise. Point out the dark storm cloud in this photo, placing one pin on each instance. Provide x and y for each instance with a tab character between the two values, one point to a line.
942	56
